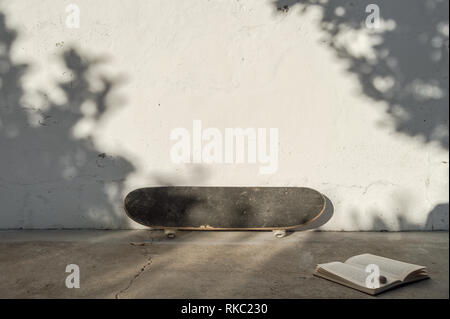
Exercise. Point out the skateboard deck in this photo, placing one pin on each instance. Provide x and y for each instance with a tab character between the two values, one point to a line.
224	208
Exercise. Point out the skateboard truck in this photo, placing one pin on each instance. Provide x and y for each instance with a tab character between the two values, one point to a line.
170	233
279	233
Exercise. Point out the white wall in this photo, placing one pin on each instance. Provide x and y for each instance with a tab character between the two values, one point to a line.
362	114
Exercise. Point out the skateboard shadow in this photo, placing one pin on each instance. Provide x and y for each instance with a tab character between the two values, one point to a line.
322	219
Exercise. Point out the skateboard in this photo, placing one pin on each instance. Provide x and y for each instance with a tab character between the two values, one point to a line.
224	208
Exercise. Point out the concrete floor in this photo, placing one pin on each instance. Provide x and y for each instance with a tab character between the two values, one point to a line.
206	264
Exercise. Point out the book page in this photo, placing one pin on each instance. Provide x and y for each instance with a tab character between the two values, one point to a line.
391	267
353	276
350	273
353	273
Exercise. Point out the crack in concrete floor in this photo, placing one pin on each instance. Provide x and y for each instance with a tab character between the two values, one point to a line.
206	265
142	270
130	284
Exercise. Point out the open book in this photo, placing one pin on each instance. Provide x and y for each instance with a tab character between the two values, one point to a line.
371	274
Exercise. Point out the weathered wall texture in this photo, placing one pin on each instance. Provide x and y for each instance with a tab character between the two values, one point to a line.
86	113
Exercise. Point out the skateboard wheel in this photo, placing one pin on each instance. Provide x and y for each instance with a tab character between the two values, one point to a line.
170	233
279	233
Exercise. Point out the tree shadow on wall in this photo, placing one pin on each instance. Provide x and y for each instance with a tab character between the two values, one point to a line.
50	177
437	218
408	69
